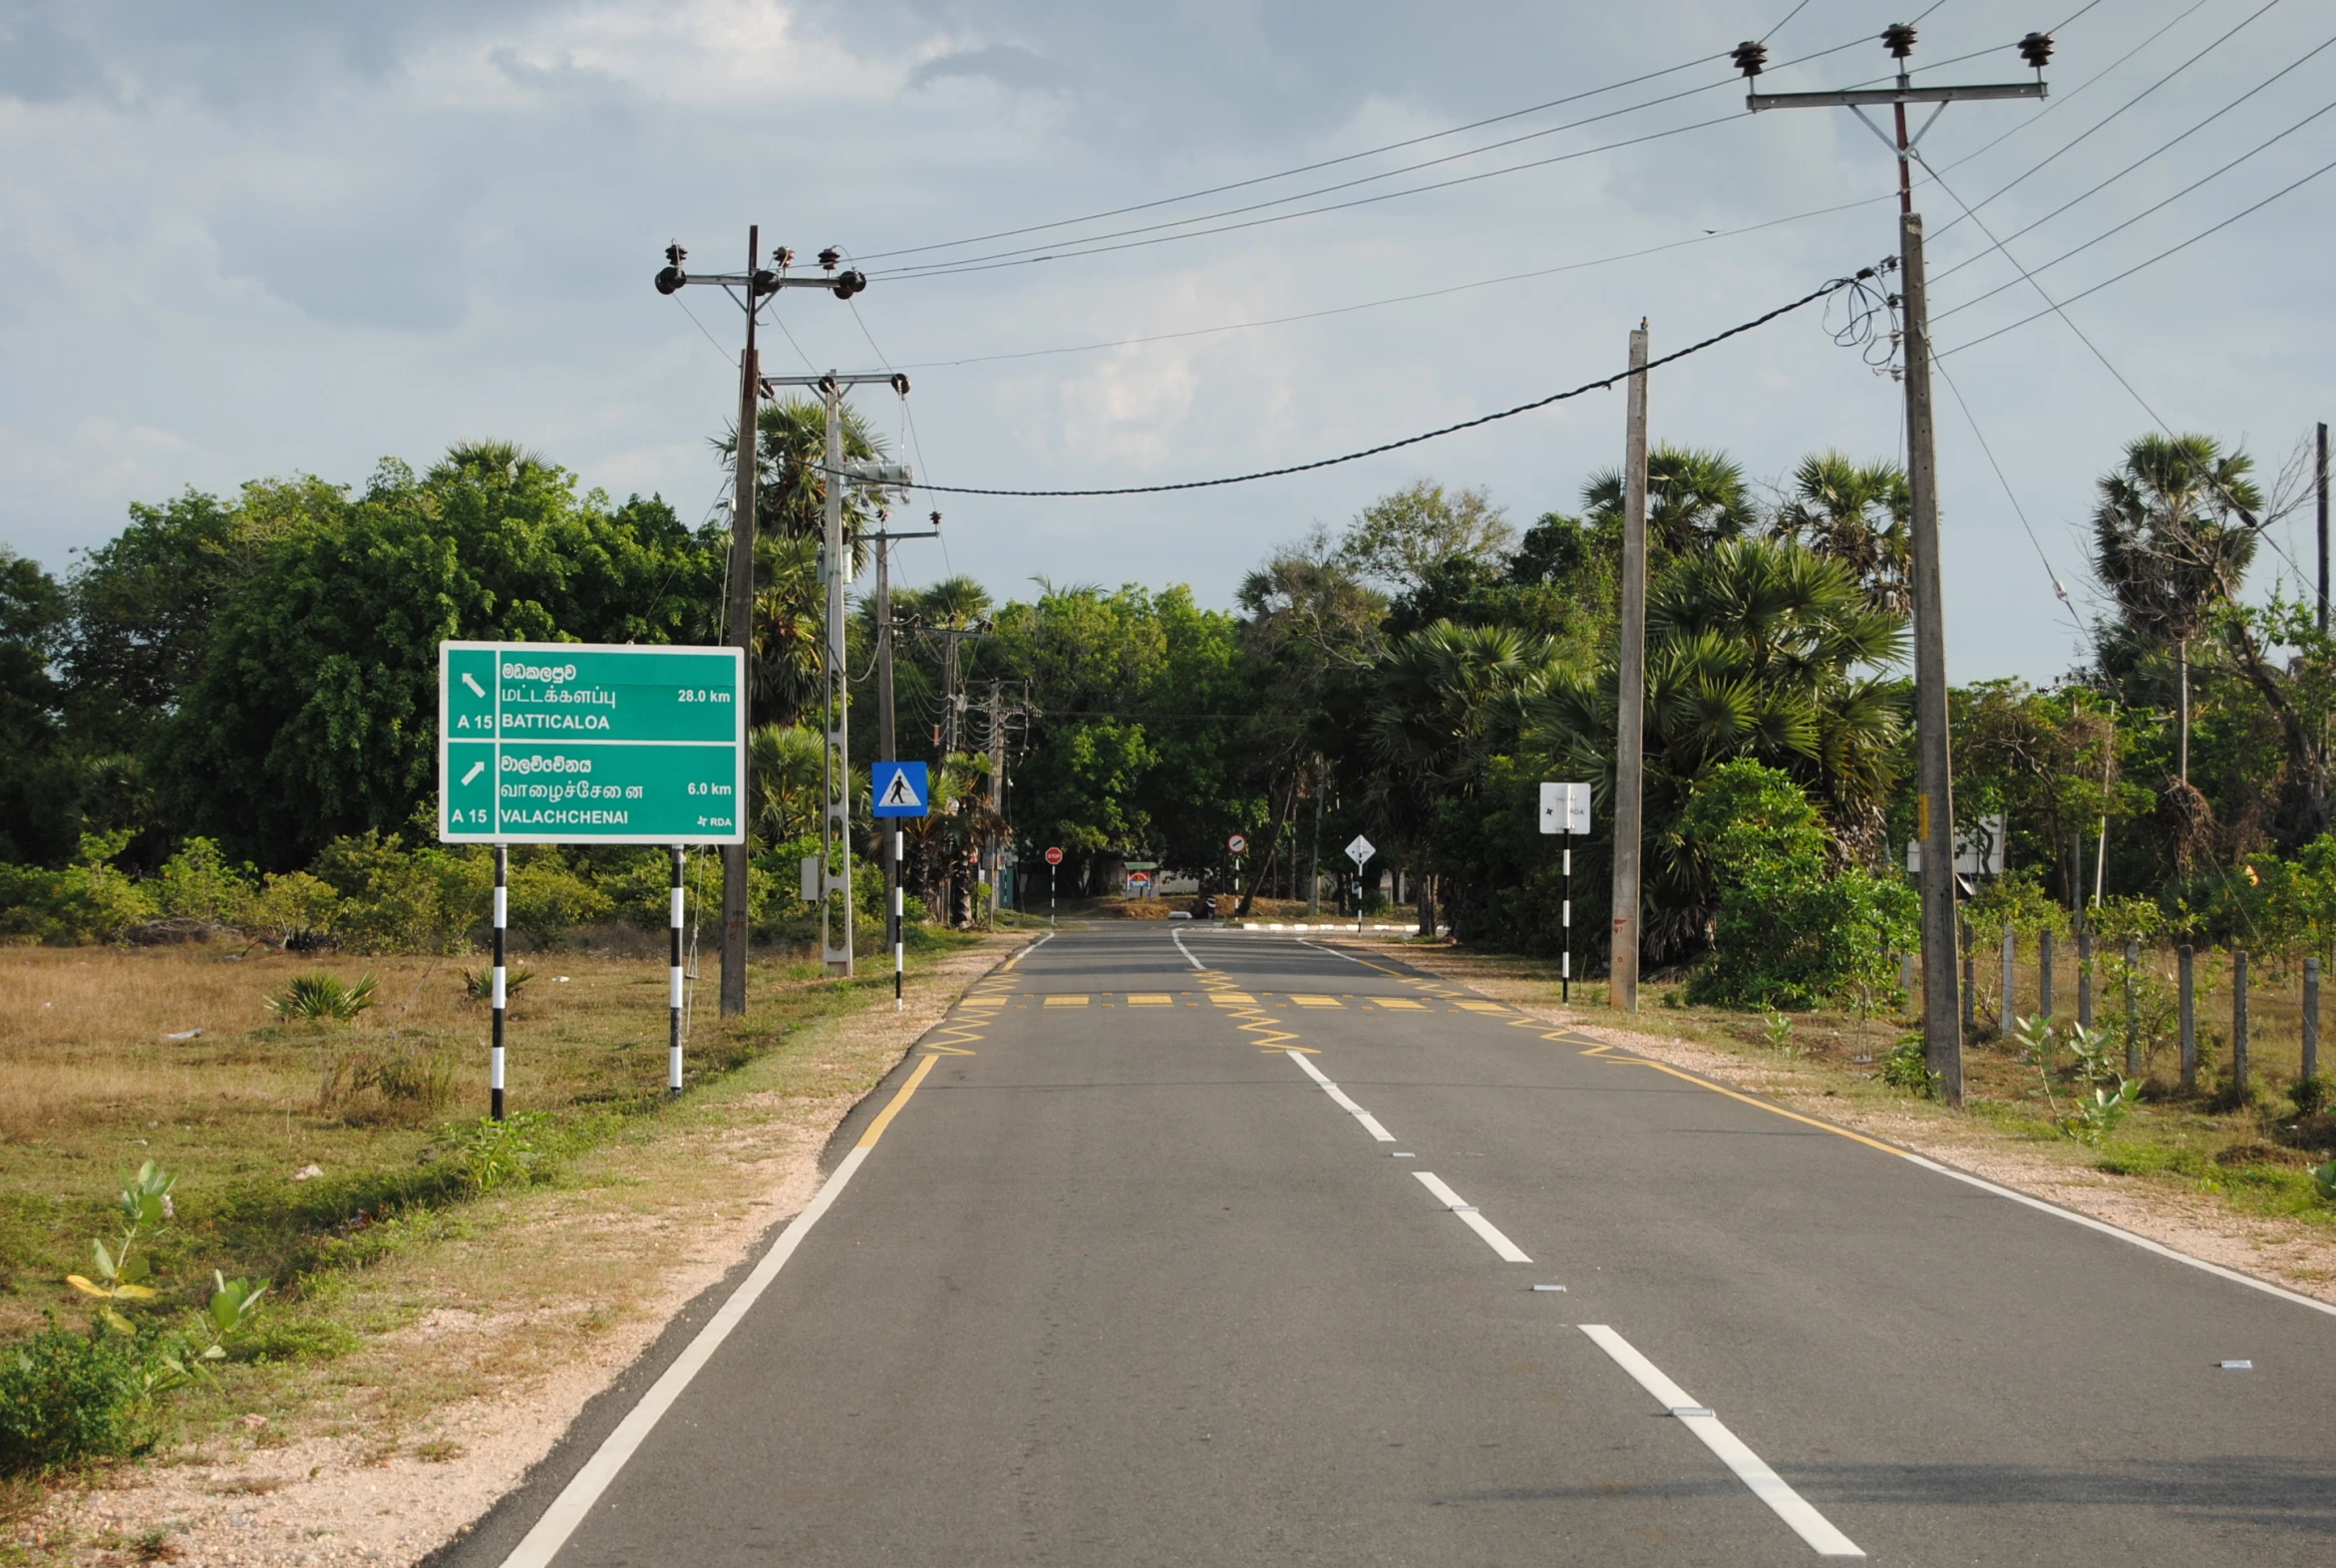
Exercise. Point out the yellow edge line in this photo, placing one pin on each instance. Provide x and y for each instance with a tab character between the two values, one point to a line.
1748	1100
875	1129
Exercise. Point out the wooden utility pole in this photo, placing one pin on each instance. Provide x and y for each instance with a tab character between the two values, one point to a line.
1935	814
739	614
1630	702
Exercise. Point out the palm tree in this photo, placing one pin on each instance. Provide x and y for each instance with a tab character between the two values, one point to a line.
791	453
789	647
784	763
2173	536
1448	698
1856	513
1696	498
1757	648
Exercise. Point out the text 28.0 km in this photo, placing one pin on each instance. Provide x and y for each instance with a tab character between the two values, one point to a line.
688	695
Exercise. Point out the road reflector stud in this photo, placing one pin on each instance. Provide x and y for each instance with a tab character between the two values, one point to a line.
1559	1288
2235	1365
1403	1153
1691	1409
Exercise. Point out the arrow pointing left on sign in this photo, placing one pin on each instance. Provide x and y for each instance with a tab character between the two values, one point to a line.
472	681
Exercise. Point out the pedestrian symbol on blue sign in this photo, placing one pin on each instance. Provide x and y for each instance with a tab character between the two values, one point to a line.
900	789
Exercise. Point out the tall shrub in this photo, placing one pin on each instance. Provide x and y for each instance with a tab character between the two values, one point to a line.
1790	933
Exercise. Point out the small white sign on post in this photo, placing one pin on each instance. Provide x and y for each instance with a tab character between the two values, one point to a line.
1565	809
1361	850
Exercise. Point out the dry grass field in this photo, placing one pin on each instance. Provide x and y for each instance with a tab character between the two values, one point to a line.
429	1340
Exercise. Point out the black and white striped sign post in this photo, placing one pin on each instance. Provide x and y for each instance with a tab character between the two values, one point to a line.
502	904
673	995
1565	809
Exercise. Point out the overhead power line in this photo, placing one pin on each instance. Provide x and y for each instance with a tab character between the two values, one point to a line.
1405	299
1351	157
2161	147
2137	266
2107	119
1600	385
2201	180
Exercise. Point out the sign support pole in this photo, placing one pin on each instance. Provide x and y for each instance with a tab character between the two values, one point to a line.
503	882
1051	872
1565	959
673	997
899	925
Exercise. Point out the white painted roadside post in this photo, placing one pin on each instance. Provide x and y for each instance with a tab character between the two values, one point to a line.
1565	809
899	789
1359	852
503	903
673	990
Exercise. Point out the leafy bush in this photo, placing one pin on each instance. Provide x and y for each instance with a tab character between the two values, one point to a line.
292	909
398	900
1790	933
92	900
547	896
1908	1068
2313	1094
67	1397
2016	899
322	997
197	884
493	1153
479	984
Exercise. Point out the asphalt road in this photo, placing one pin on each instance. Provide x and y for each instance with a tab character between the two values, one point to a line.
1119	1281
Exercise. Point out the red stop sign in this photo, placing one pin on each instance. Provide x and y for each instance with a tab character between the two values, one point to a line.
1054	856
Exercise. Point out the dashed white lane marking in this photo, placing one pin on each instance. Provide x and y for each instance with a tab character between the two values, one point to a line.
1338	1096
1467	1211
1749	1469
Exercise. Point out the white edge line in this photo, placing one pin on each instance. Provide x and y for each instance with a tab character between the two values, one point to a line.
1763	1484
1177	937
1332	951
583	1489
1465	1213
2107	1230
1022	953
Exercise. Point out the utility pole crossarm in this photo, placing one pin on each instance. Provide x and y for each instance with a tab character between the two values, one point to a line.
1856	97
866	378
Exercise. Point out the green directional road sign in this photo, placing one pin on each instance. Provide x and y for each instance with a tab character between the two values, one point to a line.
565	743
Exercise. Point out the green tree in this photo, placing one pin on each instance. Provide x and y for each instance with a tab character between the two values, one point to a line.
1856	513
1696	498
314	716
1403	535
1791	930
1756	648
2172	534
1447	701
35	783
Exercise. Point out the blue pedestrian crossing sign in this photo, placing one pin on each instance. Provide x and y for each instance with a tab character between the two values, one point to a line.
899	789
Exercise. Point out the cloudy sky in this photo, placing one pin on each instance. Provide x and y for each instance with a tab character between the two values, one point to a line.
251	238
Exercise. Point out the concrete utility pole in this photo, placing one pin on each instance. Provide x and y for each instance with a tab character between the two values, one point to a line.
836	942
747	288
2321	473
1943	1023
1630	704
887	736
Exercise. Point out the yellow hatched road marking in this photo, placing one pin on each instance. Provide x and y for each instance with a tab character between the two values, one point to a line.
1483	1007
1066	1001
1151	998
1317	1001
1232	999
1401	1003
